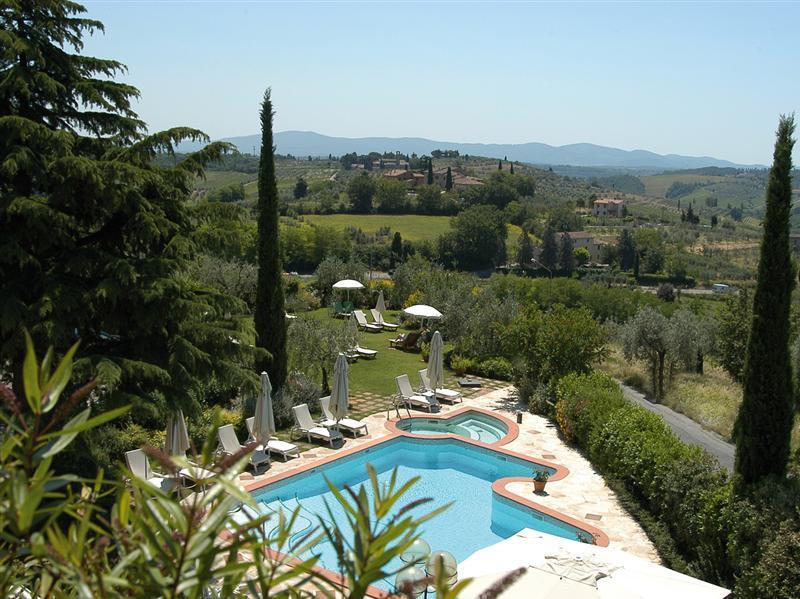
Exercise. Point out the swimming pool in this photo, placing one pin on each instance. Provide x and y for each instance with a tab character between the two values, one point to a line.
470	424
451	470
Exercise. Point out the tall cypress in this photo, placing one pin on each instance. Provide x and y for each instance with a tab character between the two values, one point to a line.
500	165
764	423
511	169
270	314
448	182
430	171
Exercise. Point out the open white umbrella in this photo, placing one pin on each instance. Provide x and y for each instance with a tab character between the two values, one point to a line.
177	443
436	362
264	423
380	305
422	311
340	390
347	285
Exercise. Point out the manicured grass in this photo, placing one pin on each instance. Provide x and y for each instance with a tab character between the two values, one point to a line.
412	227
377	376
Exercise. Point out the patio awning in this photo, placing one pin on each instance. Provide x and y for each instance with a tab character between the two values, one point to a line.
574	569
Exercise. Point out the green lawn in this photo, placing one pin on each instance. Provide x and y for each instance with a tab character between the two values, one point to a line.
377	376
413	227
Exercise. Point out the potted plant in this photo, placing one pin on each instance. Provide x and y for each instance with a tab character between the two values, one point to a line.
540	480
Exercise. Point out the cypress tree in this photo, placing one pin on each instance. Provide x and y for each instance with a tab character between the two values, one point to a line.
448	182
270	314
549	255
511	170
524	250
764	423
626	250
430	171
566	257
500	165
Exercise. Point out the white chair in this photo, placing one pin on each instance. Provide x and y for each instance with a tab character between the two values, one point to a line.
230	446
441	393
306	425
139	466
414	399
283	448
369	354
361	319
348	424
378	318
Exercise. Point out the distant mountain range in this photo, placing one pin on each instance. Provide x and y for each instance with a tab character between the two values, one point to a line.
308	143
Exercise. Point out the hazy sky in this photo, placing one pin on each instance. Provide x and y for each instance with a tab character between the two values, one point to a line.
696	79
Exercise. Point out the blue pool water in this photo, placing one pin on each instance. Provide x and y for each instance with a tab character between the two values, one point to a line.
450	470
472	425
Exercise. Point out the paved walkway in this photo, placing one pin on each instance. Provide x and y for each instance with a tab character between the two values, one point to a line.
686	429
583	494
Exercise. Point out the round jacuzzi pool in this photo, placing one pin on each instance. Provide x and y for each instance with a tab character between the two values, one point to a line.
471	425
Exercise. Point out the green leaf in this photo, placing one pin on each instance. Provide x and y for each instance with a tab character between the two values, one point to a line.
60	379
30	377
76	425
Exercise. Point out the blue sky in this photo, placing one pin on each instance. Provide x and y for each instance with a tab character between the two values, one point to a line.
696	79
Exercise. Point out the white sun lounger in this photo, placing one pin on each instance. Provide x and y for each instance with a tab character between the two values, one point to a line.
282	448
441	393
230	445
378	318
348	424
414	399
139	466
361	319
306	425
365	352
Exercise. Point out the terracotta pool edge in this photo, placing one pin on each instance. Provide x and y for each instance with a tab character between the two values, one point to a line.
499	487
511	435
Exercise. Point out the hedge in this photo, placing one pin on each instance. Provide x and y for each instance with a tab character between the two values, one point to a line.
655	280
722	536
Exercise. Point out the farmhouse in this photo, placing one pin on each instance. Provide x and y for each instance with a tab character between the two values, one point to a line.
612	207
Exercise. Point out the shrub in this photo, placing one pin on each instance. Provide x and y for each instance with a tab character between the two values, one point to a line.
460	364
777	574
719	534
494	368
585	402
666	292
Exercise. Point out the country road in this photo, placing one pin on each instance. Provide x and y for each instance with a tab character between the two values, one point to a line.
685	428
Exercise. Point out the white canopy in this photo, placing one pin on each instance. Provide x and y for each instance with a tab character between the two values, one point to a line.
422	311
575	569
347	284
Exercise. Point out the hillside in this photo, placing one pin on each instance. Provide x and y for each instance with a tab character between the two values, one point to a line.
309	143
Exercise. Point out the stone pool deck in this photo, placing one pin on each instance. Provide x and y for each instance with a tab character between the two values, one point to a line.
582	495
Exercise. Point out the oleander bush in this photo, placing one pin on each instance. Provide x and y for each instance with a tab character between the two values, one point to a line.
737	541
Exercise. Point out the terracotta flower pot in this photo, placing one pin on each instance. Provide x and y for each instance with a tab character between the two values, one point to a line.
538	486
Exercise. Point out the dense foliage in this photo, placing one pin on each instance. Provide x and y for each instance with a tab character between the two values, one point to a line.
93	235
747	542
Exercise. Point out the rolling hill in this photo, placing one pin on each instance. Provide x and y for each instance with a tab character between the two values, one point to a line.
309	143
